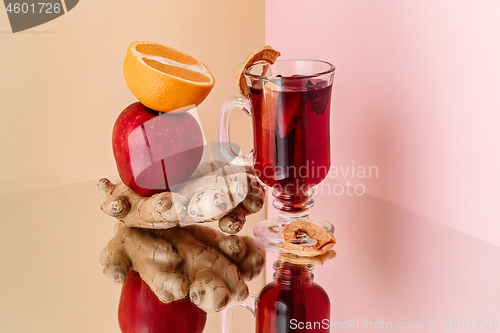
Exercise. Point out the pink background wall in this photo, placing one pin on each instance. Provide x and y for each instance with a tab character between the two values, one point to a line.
416	94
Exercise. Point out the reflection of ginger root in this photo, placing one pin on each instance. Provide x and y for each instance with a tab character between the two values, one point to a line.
224	194
193	260
240	249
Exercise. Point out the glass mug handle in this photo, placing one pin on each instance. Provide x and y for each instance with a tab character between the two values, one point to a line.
226	322
224	138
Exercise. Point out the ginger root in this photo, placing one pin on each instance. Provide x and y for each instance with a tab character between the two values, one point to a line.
193	260
160	211
232	222
225	194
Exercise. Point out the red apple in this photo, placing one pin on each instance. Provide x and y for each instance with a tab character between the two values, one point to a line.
140	311
155	152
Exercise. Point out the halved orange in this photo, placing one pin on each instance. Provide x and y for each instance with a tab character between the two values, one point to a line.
165	79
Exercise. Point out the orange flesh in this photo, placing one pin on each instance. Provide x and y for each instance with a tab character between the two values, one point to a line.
154	50
180	72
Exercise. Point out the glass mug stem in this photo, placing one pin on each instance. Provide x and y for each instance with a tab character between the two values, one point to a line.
293	205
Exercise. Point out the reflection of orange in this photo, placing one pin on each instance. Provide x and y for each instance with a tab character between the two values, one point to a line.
164	79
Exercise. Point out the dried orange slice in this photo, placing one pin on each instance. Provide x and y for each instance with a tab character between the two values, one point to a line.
306	239
165	79
266	53
316	260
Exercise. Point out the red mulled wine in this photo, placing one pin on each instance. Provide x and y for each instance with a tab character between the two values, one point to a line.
291	123
293	303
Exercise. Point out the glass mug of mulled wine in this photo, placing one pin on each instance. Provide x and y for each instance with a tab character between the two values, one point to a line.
289	102
293	302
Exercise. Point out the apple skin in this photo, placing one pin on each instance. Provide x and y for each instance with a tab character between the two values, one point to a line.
153	152
140	311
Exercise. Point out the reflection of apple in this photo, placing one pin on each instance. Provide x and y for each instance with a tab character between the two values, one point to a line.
141	311
153	152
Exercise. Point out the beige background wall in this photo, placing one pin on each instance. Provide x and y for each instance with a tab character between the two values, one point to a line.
61	88
61	84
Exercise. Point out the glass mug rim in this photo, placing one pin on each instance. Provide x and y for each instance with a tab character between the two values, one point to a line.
331	69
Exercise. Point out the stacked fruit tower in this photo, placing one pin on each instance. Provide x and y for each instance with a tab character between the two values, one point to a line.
174	270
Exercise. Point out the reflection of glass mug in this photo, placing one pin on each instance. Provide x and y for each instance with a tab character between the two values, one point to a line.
291	303
289	102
